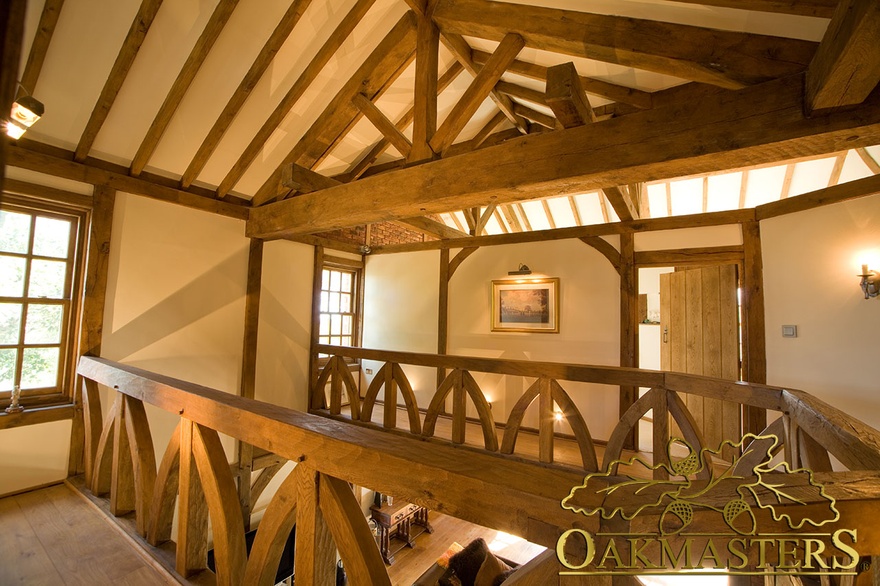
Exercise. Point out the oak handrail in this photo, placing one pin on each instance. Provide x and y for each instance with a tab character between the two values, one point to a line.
335	448
854	443
519	497
763	396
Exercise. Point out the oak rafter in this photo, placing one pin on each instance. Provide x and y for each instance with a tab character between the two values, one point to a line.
373	77
181	84
130	47
309	74
239	97
40	45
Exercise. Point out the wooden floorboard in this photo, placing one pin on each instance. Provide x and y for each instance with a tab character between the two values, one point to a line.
53	536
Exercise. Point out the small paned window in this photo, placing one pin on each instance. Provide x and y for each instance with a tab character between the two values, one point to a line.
338	321
38	279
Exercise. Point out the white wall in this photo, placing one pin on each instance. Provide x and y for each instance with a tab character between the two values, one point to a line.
401	314
810	262
285	324
401	297
175	297
34	455
589	322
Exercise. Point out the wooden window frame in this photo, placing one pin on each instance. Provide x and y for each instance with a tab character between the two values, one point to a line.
62	393
356	268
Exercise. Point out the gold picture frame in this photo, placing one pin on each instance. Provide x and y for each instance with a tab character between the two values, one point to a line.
526	305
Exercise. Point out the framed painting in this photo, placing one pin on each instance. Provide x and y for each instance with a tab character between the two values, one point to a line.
526	305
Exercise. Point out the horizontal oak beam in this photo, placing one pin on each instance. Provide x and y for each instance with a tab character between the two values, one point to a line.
593	230
820	197
724	58
689	256
47	193
817	8
753	126
17	156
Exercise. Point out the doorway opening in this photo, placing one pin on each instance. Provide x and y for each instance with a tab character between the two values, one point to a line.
690	322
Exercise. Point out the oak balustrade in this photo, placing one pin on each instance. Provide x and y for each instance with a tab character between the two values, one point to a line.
809	429
487	486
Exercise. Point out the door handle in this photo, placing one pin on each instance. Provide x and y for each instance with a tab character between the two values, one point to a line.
666	334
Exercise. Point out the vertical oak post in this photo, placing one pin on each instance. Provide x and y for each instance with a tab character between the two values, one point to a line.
192	523
425	106
754	342
443	313
12	28
315	553
629	333
122	499
95	293
249	371
316	322
547	421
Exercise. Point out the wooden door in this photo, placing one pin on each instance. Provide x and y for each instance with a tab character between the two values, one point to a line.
700	335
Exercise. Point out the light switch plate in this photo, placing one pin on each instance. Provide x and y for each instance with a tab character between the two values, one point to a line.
789	331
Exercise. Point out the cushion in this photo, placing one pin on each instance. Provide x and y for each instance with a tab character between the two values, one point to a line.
475	565
492	569
467	562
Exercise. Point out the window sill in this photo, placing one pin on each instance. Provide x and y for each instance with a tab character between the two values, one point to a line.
36	415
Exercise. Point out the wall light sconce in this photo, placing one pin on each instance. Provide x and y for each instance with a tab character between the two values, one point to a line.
523	270
25	111
557	416
870	282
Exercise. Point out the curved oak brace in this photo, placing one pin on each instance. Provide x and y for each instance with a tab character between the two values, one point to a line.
514	420
278	521
219	486
813	456
605	248
167	482
143	459
334	371
756	452
373	393
91	399
453	379
578	426
630	419
101	474
688	427
344	374
487	422
262	481
460	258
318	400
409	398
357	548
